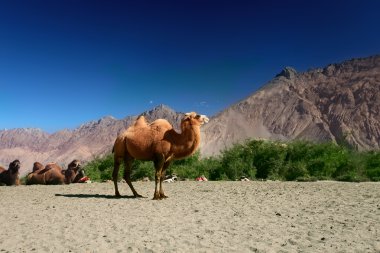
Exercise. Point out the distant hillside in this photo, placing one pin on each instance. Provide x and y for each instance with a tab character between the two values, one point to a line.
339	103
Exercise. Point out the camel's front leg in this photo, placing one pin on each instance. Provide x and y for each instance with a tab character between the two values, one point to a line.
162	194
156	195
158	165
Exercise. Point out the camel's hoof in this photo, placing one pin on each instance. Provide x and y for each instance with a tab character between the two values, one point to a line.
156	197
160	197
117	195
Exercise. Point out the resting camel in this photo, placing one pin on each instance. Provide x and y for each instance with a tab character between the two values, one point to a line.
52	173
10	176
74	172
157	142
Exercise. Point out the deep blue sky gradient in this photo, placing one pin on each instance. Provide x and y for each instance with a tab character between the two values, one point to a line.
63	63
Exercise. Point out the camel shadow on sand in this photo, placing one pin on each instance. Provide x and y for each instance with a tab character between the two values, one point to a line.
100	196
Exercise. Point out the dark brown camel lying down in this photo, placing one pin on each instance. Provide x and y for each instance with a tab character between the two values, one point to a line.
10	176
74	173
52	173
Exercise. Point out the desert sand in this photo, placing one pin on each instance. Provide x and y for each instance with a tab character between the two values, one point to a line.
197	217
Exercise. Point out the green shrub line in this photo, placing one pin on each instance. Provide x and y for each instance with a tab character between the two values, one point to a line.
261	160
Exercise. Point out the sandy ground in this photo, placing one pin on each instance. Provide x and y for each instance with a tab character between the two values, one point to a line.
197	217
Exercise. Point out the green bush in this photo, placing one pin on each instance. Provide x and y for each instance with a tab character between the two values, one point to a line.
188	167
100	168
23	179
296	160
270	160
296	170
142	169
236	162
372	166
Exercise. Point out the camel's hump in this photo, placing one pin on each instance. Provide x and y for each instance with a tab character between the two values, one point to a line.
140	121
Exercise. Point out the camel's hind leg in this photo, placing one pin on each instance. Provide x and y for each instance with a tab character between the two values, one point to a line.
115	175
127	175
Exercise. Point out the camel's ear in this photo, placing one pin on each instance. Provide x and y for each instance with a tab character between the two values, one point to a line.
189	115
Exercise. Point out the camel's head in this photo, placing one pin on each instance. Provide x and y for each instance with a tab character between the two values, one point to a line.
194	119
14	166
74	165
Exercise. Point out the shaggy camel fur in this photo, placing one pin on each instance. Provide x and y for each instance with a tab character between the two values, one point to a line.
157	142
52	173
37	166
10	176
74	172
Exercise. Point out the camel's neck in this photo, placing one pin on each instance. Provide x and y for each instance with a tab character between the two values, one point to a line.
187	143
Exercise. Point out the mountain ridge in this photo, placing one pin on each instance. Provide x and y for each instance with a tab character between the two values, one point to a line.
314	105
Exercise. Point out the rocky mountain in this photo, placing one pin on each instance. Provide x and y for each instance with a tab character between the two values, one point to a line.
339	103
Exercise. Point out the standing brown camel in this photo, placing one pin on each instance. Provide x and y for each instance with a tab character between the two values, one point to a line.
10	176
157	142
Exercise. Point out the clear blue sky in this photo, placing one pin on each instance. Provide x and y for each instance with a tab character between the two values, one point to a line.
65	62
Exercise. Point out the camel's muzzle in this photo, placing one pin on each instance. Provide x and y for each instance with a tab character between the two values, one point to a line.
204	119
